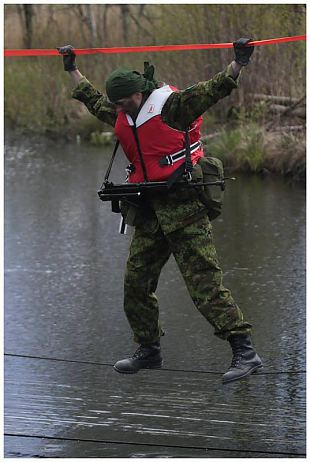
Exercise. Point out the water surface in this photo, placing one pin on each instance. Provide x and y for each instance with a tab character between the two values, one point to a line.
64	264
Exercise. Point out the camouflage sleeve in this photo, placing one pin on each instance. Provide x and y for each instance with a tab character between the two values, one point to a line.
182	108
96	102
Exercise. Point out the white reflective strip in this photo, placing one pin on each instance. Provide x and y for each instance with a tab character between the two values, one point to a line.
176	156
122	226
197	147
169	160
191	147
179	158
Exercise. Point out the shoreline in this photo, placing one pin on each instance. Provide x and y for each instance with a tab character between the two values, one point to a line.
244	149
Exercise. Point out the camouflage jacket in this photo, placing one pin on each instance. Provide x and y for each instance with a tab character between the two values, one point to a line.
180	109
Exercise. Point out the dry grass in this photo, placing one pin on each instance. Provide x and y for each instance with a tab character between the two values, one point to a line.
286	153
254	149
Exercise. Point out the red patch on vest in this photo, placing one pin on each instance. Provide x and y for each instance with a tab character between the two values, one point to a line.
151	108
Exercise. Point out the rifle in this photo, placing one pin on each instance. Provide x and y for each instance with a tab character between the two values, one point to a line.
131	191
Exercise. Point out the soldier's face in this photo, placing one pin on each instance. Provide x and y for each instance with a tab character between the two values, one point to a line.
130	104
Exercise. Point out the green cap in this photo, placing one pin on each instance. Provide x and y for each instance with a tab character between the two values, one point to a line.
125	82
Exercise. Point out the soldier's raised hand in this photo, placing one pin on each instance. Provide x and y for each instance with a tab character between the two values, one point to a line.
243	52
68	57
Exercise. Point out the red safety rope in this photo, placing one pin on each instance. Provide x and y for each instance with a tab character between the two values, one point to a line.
141	49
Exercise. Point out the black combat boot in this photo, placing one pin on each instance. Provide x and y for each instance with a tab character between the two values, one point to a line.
245	359
146	357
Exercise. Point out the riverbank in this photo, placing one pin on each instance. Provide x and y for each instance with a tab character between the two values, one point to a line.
249	139
243	148
251	149
254	148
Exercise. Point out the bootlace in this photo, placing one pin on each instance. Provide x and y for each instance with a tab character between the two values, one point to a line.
236	359
144	351
237	355
139	353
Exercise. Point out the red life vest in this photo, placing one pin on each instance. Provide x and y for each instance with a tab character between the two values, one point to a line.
162	147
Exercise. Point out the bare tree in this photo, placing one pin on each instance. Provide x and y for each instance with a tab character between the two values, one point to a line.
125	12
105	23
141	18
26	14
87	16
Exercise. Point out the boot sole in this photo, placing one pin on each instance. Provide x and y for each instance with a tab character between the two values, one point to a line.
154	366
252	371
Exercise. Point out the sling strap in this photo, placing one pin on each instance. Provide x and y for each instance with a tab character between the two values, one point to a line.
188	167
106	177
135	134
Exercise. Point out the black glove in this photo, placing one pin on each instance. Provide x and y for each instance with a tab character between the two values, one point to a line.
68	57
243	53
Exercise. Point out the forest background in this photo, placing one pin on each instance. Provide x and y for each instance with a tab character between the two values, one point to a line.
260	127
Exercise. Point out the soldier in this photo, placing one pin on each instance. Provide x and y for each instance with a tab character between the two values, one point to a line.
149	120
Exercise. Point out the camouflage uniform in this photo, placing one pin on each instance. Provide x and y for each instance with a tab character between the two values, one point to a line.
170	225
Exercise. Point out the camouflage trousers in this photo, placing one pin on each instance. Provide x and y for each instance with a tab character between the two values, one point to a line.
184	230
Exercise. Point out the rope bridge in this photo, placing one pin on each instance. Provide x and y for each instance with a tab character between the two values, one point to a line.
151	49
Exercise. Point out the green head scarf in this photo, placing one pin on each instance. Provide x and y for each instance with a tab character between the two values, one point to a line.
124	82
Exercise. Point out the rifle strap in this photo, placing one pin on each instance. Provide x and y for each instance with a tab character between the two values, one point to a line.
111	163
135	134
175	176
188	167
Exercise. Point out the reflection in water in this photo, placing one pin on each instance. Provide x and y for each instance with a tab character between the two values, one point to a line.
89	402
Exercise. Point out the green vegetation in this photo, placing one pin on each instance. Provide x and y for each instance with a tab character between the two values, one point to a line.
38	91
254	149
28	102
